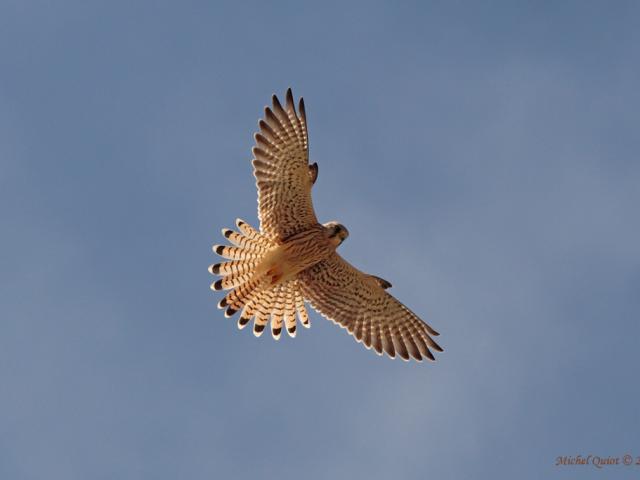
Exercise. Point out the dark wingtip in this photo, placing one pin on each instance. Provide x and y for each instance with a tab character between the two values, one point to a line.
431	331
217	285
227	233
215	269
290	103
276	332
291	330
230	312
276	102
258	328
222	303
301	108
242	322
218	249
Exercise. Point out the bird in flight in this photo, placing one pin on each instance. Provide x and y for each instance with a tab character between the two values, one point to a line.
292	259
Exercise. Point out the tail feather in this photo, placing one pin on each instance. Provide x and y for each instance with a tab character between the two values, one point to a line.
290	314
230	281
236	253
260	322
248	311
277	313
303	316
234	267
242	241
265	304
237	297
252	234
252	292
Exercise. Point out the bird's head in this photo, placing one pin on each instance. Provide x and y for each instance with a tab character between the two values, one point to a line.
336	232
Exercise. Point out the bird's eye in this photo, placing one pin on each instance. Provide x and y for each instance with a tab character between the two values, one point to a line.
336	230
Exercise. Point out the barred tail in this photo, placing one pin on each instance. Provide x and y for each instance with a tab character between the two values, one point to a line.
254	293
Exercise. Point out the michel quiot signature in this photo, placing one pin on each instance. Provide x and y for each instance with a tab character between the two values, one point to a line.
598	461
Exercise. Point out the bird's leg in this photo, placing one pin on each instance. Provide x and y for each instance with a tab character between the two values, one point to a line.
275	274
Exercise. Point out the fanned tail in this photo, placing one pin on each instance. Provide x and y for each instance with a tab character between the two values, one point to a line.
254	293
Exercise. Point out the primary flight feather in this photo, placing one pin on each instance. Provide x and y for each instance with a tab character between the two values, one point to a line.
292	259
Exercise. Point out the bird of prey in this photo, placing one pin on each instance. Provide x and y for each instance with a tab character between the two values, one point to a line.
292	259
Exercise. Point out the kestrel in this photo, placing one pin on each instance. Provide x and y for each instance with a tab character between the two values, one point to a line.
293	258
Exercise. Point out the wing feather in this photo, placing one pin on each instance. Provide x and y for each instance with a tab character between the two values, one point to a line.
356	301
281	169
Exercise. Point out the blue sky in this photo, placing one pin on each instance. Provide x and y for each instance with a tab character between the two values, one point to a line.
483	157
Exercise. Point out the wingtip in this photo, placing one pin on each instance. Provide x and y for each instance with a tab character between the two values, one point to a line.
433	344
262	124
290	104
276	102
432	331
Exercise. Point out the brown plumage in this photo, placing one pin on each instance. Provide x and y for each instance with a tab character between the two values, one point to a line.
292	259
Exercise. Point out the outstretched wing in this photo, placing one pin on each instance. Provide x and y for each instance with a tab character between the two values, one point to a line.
281	168
358	302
